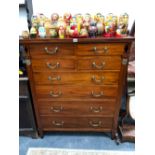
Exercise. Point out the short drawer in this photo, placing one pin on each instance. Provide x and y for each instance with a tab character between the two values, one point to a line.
76	122
76	78
49	50
100	63
100	49
53	64
55	92
91	108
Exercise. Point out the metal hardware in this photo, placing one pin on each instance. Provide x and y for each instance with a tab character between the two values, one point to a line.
55	95
124	61
75	40
96	110
98	66
51	66
97	81
58	78
95	49
56	108
95	124
54	51
58	123
27	62
105	49
97	95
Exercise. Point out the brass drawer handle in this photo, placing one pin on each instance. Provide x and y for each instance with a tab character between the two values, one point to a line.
60	123
51	66
58	78
105	49
95	124
96	110
97	95
97	81
55	95
56	108
53	51
94	65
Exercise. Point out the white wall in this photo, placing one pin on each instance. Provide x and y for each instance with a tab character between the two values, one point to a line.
23	25
85	6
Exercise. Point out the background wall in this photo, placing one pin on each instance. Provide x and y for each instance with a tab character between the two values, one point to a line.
47	7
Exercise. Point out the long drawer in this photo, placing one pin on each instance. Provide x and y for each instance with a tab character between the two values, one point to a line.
100	49
81	92
98	78
63	108
100	63
49	50
53	64
51	123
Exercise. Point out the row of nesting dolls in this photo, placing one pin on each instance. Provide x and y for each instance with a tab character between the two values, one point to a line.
78	25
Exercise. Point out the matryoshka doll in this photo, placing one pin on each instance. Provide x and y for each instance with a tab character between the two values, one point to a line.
97	17
122	25
54	19
86	20
41	30
53	32
35	21
83	32
60	23
100	25
33	32
25	34
67	17
92	29
47	26
61	32
79	20
41	19
110	26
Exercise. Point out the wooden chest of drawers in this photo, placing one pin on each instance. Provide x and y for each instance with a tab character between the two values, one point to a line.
77	84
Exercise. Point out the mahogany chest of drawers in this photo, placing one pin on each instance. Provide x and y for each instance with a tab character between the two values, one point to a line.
77	84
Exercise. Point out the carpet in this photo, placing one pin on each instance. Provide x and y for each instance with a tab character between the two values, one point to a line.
50	151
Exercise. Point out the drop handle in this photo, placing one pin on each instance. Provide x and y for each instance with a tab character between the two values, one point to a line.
97	95
51	52
95	124
55	95
96	109
94	49
58	78
101	66
53	66
58	123
105	49
56	108
98	81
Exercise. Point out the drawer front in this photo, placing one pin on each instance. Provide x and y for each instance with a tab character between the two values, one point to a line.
100	49
52	64
76	122
59	108
100	63
75	92
50	50
97	78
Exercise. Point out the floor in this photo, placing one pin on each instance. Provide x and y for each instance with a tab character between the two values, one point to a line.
98	141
